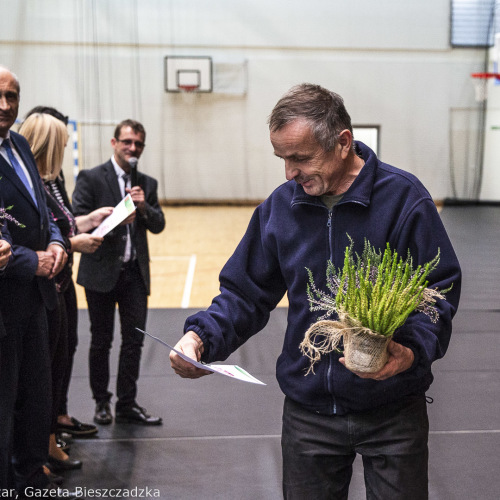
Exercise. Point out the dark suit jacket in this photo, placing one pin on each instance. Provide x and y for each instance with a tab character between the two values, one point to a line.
5	235
40	230
4	230
96	188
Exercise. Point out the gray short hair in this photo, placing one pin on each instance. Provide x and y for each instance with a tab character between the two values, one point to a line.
16	79
323	109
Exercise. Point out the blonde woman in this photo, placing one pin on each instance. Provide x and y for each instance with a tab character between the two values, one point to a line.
47	137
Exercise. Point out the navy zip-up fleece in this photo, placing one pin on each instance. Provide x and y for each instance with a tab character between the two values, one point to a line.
291	231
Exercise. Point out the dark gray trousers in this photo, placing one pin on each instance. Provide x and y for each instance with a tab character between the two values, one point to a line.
319	450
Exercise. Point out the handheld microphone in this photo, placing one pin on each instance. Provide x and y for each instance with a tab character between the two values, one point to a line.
133	170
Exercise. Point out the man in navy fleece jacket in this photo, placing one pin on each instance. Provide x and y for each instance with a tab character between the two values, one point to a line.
337	188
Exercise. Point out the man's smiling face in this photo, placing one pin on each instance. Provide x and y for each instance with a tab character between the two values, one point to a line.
306	162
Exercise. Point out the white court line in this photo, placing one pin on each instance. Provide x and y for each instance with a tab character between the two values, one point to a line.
189	438
485	431
188	284
253	436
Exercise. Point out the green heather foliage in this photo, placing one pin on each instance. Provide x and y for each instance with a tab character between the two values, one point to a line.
379	290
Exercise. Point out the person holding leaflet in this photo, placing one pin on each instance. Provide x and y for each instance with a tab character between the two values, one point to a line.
337	194
118	272
47	137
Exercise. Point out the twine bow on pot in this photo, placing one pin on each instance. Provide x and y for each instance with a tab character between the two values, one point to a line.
364	350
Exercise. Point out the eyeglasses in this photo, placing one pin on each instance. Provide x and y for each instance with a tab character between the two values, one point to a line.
129	142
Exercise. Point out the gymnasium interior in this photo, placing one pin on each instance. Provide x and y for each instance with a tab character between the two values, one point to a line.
419	80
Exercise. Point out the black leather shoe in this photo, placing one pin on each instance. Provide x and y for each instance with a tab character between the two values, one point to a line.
136	415
53	478
62	445
67	438
77	428
103	414
57	465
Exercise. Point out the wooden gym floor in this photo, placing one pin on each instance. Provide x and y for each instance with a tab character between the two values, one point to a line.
187	256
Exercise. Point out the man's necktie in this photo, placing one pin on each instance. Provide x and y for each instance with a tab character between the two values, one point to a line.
17	167
126	181
129	249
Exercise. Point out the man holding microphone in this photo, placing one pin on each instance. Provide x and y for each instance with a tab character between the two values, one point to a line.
118	272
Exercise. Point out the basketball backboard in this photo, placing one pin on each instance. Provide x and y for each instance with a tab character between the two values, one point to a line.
188	74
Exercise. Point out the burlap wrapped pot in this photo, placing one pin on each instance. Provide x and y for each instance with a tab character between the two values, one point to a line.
364	350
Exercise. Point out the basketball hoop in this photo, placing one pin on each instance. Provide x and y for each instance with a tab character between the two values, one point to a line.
188	91
187	88
481	84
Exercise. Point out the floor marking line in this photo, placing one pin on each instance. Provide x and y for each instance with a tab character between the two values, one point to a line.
185	438
251	436
188	285
485	431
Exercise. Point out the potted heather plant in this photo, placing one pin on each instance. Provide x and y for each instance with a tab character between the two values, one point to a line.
373	295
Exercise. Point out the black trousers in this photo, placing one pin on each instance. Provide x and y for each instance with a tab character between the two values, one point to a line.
25	392
58	346
72	334
131	296
318	452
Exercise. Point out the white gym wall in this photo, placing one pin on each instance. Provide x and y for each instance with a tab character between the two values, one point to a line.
102	61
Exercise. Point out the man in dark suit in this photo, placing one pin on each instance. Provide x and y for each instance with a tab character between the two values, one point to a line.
26	289
118	272
5	256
